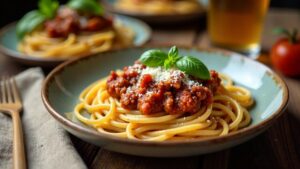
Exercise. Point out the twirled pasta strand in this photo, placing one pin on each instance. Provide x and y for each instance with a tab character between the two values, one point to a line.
227	113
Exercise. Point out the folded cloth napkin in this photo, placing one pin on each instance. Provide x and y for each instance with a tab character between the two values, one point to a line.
48	145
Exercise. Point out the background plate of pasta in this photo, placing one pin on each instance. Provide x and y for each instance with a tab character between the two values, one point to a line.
165	101
159	11
56	32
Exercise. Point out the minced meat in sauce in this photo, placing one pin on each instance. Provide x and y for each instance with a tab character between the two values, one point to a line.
69	21
154	90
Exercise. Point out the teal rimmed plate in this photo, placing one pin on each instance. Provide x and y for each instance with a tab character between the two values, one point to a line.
9	42
62	87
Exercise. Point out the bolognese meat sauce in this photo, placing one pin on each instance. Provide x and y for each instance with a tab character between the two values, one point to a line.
154	90
69	21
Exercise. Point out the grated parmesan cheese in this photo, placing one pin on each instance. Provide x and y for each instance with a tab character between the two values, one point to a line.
160	74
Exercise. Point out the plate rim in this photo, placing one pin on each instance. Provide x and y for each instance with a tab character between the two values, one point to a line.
216	139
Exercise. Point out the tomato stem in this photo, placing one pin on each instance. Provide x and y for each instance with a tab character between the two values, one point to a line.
292	37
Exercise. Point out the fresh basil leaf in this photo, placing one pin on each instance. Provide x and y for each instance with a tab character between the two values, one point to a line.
173	52
48	7
88	6
171	61
194	67
172	57
168	64
153	58
175	59
29	22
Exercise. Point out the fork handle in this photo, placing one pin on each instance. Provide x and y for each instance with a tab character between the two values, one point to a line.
19	160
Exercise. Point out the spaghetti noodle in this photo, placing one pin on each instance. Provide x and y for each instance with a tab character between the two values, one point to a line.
227	113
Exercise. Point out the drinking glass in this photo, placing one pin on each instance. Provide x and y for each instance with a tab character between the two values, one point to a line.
237	24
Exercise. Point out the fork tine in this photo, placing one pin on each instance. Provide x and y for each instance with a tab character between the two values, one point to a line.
3	97
8	90
15	90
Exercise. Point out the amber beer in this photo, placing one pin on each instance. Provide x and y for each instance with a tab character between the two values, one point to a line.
237	24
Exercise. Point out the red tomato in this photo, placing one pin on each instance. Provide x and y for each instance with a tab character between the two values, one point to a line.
286	57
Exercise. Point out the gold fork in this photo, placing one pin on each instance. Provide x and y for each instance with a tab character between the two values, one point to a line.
11	104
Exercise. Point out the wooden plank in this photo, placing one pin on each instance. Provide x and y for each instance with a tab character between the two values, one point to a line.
281	140
86	150
8	66
295	126
177	36
111	160
217	160
256	153
203	40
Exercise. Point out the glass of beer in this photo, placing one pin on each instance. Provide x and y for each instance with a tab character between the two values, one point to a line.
237	24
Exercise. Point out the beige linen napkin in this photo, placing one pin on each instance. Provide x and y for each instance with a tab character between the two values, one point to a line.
47	144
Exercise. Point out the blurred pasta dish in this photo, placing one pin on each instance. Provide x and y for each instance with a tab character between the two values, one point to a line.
75	29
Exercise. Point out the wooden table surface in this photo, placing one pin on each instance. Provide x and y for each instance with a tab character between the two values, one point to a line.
278	147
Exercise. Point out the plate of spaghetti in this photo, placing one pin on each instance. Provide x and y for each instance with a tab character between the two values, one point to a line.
54	33
158	11
162	101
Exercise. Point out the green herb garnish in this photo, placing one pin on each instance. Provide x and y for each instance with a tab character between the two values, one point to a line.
48	8
153	58
173	57
29	22
193	66
88	6
188	64
33	19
